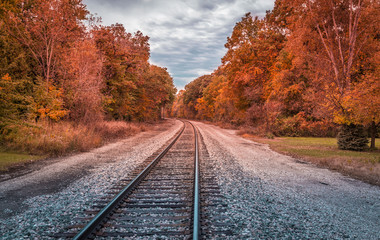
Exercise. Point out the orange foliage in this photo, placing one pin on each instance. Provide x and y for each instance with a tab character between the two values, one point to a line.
306	65
59	63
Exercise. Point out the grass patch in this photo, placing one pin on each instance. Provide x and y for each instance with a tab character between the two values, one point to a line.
321	148
9	159
324	152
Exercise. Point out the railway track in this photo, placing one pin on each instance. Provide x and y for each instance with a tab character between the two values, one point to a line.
170	196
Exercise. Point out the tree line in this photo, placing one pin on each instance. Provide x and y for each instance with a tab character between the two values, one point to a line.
60	63
68	82
304	69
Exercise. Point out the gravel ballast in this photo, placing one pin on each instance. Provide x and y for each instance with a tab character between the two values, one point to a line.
44	215
274	196
269	195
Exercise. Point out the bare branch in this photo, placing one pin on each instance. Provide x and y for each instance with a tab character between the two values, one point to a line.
339	42
331	56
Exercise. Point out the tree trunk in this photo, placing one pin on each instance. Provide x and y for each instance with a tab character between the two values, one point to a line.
373	134
162	112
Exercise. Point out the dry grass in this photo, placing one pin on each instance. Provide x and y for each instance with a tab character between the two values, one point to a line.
55	139
117	129
325	153
51	139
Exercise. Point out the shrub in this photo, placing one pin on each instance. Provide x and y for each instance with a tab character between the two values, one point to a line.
300	125
269	135
352	137
116	129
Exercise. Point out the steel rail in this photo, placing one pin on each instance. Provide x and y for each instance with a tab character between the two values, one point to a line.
86	232
196	209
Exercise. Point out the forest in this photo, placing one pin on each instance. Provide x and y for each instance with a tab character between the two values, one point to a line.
308	68
67	82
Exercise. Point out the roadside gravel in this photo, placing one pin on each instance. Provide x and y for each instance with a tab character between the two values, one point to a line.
272	196
49	198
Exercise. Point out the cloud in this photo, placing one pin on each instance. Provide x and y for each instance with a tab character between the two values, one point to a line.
186	37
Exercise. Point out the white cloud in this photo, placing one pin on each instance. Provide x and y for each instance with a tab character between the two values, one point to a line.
187	37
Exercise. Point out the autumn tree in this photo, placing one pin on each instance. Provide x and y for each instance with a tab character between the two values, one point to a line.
236	91
15	73
251	51
83	82
14	59
220	98
61	69
14	103
157	92
205	106
336	35
48	102
194	91
302	70
239	66
44	28
363	101
161	87
125	61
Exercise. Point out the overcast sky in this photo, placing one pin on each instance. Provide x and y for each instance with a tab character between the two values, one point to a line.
186	37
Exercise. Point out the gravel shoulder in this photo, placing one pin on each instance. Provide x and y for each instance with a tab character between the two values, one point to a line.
279	197
50	177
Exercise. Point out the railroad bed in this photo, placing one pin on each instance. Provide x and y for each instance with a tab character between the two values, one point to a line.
172	195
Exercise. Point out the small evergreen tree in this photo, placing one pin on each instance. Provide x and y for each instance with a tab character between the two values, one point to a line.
352	137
